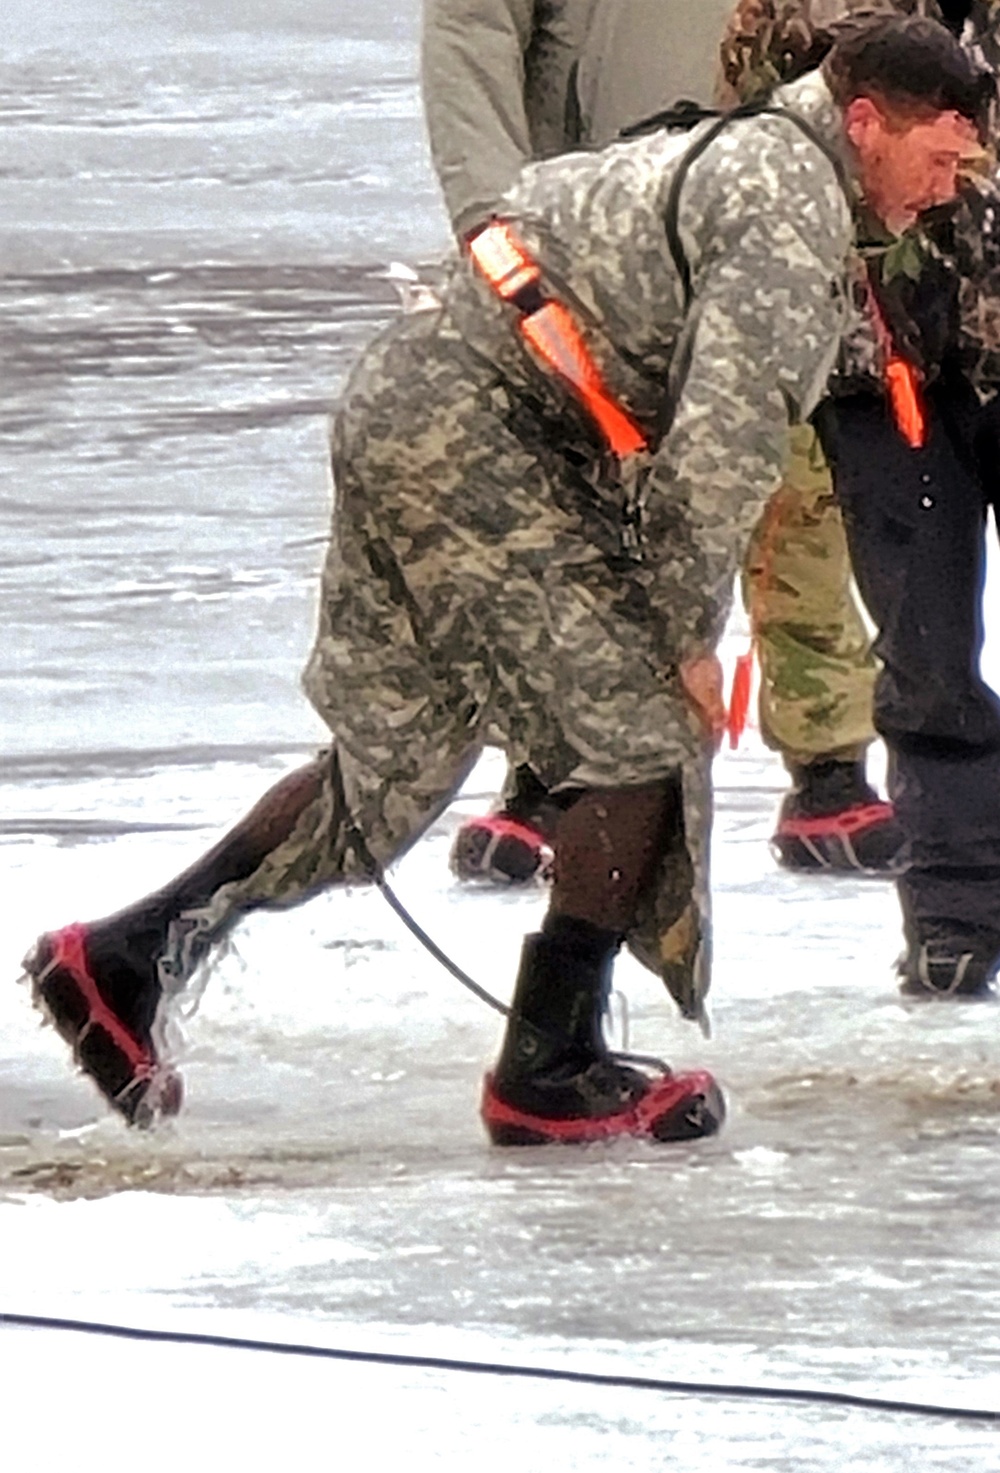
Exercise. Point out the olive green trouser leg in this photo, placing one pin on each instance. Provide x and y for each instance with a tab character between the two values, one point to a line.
814	649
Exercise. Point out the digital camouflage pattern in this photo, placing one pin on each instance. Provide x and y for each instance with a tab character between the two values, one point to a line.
770	42
484	122
755	201
476	589
966	243
463	603
767	43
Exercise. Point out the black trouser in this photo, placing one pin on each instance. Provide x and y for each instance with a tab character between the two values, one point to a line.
915	521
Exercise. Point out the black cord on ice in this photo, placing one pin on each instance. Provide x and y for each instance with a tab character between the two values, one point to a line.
377	874
417	930
701	1389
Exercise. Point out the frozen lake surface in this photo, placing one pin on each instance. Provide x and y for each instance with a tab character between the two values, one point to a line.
194	215
328	1180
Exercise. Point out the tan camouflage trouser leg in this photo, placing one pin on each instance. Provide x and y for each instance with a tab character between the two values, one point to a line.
817	668
464	601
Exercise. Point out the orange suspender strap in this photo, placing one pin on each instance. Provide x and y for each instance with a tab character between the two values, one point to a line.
902	382
551	330
503	260
557	340
903	387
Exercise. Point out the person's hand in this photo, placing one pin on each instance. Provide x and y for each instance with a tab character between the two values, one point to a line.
701	678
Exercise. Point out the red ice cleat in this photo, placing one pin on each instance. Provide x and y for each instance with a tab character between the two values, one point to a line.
499	849
676	1107
864	838
107	1006
833	819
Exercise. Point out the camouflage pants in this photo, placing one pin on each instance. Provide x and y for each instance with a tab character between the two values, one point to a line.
466	601
817	669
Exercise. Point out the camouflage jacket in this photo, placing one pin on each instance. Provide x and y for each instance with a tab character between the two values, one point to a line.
766	229
939	284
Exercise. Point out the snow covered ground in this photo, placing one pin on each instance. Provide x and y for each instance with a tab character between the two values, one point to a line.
328	1180
194	206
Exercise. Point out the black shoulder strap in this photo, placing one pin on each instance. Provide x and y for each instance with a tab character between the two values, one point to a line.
749	110
680	114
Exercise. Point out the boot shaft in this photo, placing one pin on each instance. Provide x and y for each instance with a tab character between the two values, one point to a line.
557	1011
555	1079
827	787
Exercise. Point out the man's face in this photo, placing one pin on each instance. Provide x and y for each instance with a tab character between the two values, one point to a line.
908	163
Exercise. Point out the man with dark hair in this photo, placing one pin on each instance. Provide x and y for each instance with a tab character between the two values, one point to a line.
915	510
544	486
915	513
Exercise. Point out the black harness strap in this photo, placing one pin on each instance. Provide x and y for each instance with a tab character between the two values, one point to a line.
683	116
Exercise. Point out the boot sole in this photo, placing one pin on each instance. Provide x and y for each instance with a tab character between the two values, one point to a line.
680	1107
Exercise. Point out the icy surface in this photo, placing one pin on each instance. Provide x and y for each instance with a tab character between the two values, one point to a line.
328	1180
195	205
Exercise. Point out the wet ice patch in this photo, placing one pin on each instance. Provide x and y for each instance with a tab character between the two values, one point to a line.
760	1161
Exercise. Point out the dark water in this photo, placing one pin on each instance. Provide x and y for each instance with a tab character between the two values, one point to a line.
145	132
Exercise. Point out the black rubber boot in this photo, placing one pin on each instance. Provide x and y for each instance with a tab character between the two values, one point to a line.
555	1080
499	849
945	957
100	987
555	1037
833	819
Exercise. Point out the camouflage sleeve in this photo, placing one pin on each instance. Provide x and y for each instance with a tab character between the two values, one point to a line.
965	242
496	78
767	231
